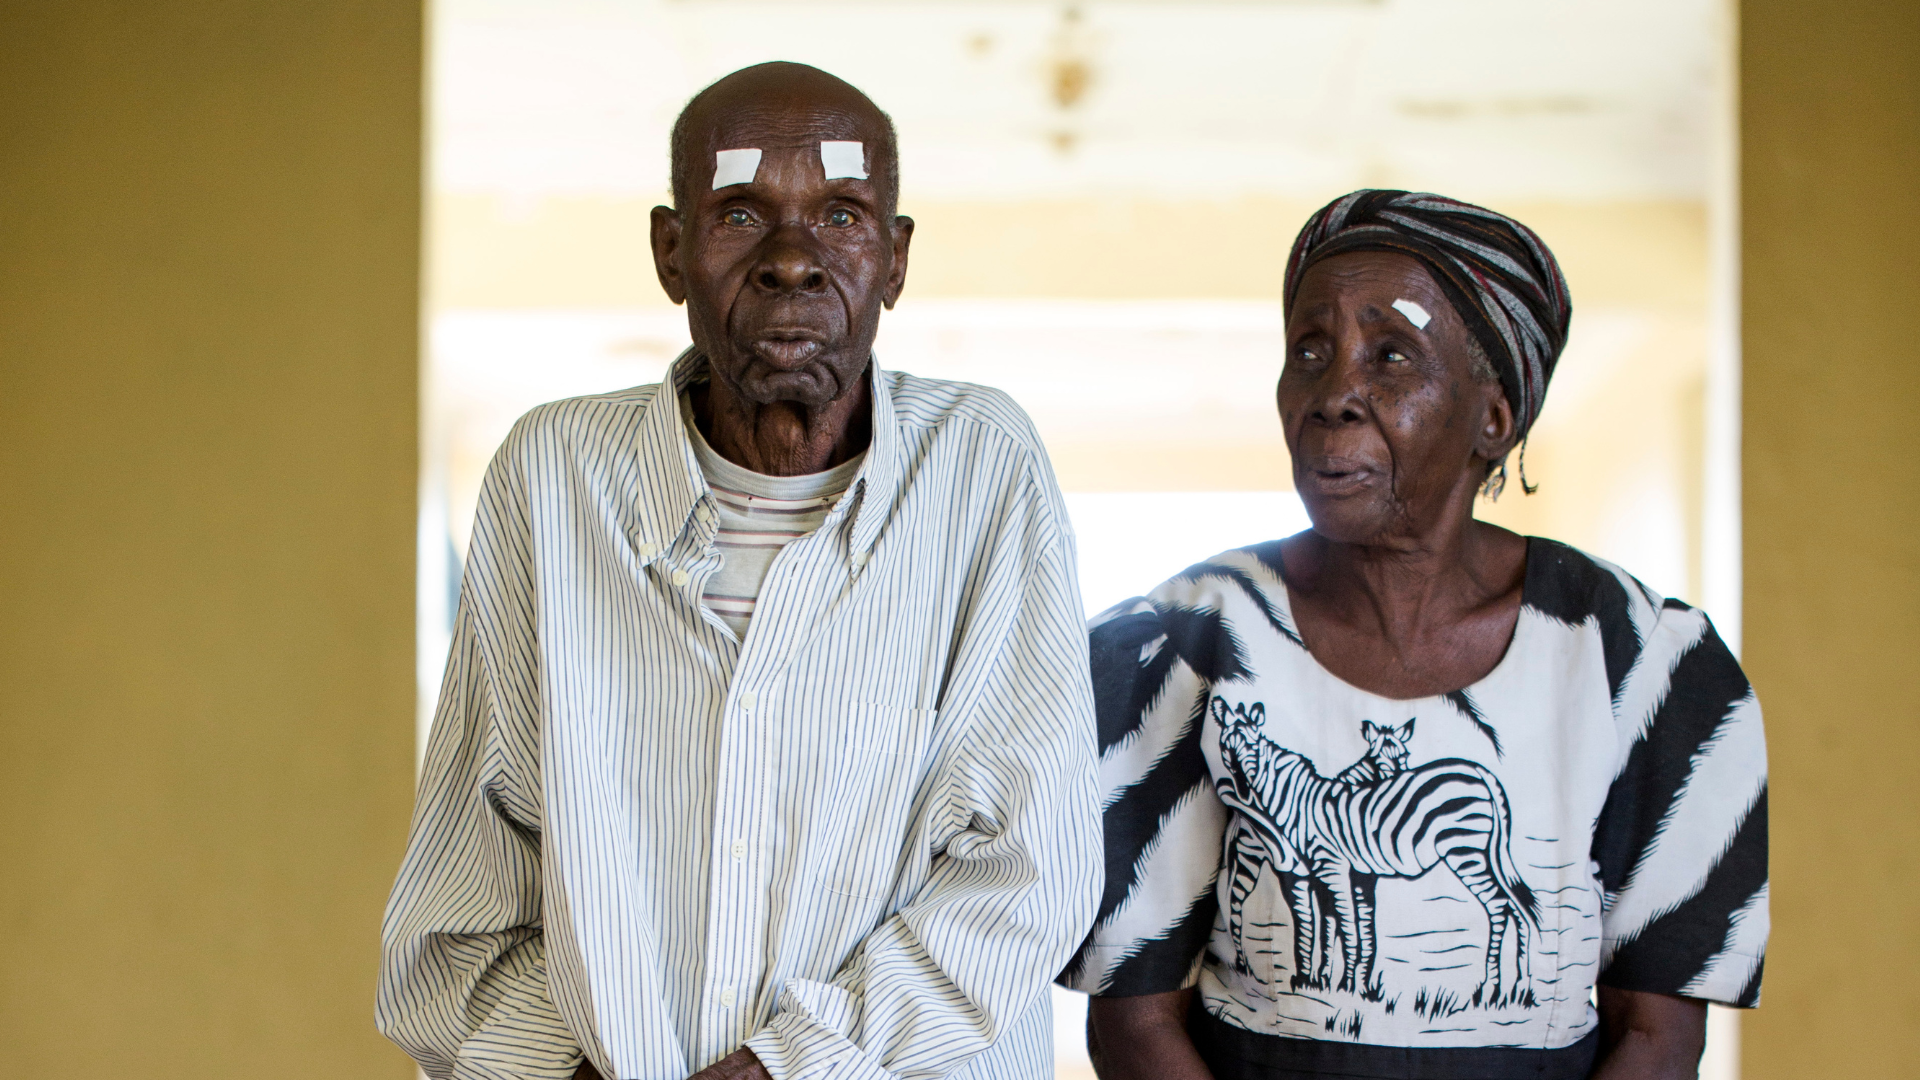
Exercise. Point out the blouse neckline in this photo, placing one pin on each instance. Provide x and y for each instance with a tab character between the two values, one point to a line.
1507	657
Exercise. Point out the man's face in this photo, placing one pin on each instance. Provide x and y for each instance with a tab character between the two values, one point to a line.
784	277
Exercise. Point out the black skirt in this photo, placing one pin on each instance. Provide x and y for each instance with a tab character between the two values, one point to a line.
1234	1053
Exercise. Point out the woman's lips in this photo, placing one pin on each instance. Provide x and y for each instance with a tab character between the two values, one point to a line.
1335	478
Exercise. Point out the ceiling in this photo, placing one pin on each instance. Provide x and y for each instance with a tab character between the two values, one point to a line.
1486	99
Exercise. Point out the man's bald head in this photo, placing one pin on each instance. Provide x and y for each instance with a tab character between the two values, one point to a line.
803	103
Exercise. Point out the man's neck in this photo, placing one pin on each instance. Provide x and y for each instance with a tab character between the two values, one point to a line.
783	438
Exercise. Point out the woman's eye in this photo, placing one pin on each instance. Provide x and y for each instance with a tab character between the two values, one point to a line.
738	217
839	219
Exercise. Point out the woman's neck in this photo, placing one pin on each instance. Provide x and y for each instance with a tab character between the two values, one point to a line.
1409	616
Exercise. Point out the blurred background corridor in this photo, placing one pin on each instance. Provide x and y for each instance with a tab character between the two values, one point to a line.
276	279
1105	196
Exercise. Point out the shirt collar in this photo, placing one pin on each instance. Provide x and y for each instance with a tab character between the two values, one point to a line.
671	486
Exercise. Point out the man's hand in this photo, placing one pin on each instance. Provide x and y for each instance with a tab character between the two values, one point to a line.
742	1064
1650	1036
1143	1038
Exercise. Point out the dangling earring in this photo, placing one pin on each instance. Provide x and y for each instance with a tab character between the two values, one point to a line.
1496	482
1524	486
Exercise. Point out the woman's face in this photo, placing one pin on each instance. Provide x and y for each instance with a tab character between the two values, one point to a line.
1389	429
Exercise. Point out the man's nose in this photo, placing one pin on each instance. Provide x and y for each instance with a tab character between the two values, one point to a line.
788	263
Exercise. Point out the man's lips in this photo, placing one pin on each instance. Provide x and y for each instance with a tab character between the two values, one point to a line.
788	348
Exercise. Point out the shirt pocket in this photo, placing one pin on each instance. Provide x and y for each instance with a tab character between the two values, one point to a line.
873	791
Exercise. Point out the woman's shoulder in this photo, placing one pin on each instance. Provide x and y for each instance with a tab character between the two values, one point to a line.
1219	617
1572	586
1217	591
1252	572
1577	589
1212	585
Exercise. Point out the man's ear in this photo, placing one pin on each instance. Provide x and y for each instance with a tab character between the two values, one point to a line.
666	252
897	280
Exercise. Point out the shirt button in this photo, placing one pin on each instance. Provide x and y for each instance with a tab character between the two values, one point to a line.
746	700
647	550
726	998
680	577
739	849
859	559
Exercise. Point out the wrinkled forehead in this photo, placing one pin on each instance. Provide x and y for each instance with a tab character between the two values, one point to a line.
774	128
1365	269
1367	278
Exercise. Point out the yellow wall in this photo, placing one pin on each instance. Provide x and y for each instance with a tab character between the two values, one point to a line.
209	218
1831	251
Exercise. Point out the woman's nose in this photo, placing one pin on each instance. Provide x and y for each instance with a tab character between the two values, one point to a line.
1338	396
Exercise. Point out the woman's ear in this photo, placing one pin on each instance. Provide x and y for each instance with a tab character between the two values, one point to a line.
1498	432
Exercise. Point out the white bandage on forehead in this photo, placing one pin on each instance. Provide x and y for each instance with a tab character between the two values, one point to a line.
732	167
1415	314
844	160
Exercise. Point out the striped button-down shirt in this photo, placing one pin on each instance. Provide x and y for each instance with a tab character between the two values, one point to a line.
859	842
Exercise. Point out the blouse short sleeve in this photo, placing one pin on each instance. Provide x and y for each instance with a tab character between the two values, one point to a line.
1681	842
1163	823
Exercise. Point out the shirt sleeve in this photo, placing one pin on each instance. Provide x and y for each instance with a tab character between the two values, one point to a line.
1015	869
1681	843
1163	823
463	976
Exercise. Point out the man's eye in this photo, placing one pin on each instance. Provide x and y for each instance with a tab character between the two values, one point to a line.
1395	356
839	219
738	217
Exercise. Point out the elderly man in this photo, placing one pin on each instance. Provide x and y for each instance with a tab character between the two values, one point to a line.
766	741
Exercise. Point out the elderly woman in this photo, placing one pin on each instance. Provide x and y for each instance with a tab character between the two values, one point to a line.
1394	797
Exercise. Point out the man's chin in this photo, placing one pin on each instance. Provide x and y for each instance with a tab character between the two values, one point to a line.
813	384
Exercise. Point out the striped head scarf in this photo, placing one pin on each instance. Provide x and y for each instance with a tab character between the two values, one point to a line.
1501	279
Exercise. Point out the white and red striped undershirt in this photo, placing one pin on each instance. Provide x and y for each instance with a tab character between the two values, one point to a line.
759	515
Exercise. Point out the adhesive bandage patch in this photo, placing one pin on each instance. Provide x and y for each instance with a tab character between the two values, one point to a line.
732	167
844	160
1415	314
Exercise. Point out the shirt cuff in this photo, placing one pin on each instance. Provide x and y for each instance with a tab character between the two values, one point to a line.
810	1036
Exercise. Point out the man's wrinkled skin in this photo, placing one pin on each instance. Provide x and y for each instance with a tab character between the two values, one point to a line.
1396	588
784	279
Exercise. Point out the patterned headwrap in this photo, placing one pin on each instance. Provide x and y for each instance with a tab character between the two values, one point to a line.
1501	279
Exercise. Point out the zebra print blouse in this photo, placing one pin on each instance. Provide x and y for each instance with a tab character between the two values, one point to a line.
1454	871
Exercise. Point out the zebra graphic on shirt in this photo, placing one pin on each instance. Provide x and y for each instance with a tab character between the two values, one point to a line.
1386	756
1340	837
1249	852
